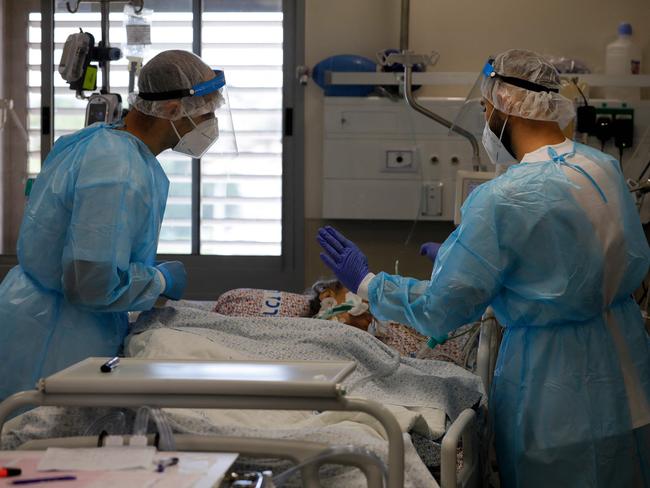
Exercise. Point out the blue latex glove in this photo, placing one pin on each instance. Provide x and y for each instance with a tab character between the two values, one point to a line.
343	257
175	279
430	250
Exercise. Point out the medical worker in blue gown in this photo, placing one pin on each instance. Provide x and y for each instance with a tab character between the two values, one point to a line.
89	235
555	246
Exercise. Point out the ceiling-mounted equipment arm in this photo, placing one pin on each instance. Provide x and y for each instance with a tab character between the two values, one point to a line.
404	26
408	60
413	103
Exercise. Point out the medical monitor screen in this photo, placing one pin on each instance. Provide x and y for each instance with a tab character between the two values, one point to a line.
470	186
96	113
466	183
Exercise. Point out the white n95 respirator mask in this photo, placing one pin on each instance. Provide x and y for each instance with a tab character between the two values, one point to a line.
495	149
197	141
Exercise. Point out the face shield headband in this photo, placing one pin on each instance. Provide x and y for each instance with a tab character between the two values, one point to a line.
489	72
198	90
467	115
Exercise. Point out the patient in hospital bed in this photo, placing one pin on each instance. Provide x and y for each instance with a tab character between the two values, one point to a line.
330	300
424	396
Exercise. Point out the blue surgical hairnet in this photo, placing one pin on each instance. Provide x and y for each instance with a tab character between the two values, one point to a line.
520	102
175	70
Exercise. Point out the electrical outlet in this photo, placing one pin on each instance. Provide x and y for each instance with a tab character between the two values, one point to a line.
432	198
398	160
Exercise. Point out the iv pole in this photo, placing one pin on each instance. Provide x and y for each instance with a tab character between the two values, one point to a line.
105	25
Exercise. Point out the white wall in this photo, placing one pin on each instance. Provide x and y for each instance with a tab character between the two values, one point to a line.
464	32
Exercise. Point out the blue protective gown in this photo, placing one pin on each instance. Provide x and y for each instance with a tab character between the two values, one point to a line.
86	248
555	245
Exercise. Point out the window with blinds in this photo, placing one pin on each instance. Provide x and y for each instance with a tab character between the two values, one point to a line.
239	209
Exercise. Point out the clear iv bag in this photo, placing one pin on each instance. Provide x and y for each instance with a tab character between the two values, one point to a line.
138	31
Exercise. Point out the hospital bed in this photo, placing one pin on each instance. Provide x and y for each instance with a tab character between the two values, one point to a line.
83	385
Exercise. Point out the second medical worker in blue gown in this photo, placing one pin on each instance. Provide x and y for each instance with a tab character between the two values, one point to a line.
89	235
555	245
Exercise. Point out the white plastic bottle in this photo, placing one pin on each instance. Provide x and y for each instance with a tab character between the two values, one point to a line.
623	57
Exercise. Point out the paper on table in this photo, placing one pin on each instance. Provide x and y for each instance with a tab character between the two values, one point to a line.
175	480
195	470
217	471
97	459
124	479
142	479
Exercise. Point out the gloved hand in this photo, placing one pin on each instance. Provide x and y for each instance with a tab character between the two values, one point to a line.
175	279
343	257
430	250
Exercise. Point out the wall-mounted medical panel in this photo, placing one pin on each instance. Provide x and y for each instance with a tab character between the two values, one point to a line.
382	160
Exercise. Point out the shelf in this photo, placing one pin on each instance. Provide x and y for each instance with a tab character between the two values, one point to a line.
379	78
637	81
465	78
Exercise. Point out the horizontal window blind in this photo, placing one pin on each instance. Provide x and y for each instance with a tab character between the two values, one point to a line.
240	197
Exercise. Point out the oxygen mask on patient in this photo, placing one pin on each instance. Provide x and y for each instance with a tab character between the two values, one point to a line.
331	309
335	302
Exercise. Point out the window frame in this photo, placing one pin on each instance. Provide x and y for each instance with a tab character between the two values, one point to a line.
210	275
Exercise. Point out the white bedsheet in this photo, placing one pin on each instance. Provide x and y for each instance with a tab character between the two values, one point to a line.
419	393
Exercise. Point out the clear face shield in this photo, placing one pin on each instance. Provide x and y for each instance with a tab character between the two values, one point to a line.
468	116
214	136
226	143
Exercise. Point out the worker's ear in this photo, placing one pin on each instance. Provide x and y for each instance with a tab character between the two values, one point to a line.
503	100
172	109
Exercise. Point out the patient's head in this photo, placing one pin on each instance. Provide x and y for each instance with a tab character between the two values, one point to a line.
328	294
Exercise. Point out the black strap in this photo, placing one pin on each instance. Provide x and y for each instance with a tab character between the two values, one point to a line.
527	85
168	95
